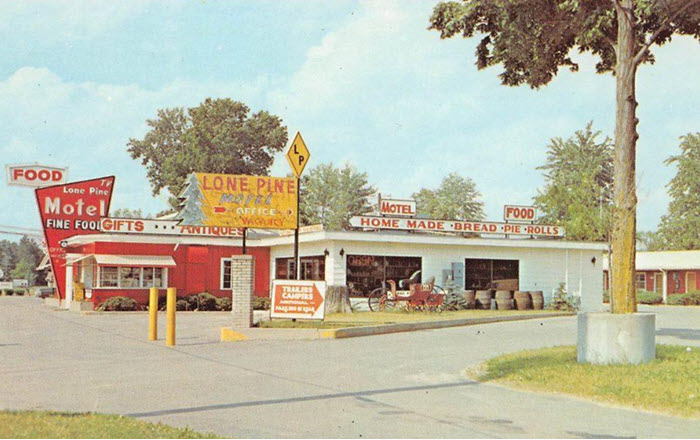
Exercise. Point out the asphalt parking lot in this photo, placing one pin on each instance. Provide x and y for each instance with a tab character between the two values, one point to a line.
398	385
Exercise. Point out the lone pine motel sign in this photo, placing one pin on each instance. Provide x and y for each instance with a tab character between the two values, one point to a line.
241	201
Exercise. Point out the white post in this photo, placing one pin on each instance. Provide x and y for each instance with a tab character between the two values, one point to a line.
68	287
665	286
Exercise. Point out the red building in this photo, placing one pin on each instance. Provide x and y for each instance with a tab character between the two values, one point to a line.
107	265
667	272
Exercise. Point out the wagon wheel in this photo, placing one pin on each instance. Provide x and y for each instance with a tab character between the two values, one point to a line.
375	299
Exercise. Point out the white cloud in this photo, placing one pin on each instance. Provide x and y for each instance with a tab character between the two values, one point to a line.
86	126
67	20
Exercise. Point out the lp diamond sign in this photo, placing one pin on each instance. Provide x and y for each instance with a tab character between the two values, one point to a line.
298	299
298	155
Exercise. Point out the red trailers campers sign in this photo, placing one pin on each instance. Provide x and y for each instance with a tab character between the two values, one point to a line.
69	210
298	299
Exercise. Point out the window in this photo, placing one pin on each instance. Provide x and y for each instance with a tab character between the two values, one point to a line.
153	277
312	268
367	272
480	274
225	273
132	277
109	276
641	281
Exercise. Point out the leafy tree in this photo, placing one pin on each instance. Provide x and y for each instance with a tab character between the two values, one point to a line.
8	257
533	39
218	136
25	270
680	227
455	199
330	196
650	241
578	185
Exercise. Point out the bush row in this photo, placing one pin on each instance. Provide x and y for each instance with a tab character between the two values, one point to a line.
652	298
199	302
10	292
684	299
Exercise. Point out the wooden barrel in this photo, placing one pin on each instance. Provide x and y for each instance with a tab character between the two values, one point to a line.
504	300
483	299
523	300
470	297
537	299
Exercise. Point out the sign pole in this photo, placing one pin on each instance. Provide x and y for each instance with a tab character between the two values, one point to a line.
297	157
245	233
297	269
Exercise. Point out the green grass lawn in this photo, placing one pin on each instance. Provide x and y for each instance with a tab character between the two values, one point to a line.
669	384
41	424
339	320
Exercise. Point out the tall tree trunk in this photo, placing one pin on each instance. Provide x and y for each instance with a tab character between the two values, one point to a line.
623	288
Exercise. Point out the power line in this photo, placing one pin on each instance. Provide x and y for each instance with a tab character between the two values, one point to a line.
37	231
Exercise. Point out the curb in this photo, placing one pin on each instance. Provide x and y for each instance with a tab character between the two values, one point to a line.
230	335
353	332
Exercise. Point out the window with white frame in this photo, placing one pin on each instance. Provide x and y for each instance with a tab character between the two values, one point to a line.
225	274
132	277
641	280
109	276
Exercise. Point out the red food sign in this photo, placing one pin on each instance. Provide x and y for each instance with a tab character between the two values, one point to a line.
69	210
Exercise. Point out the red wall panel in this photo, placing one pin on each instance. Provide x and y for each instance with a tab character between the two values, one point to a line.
197	270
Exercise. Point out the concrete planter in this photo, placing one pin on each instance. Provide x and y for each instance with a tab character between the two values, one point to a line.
606	338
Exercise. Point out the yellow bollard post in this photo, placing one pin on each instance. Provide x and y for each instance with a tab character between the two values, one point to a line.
170	321
153	315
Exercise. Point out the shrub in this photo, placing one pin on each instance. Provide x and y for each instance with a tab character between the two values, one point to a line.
181	305
261	303
223	304
455	301
684	299
10	292
119	303
207	302
644	297
19	292
606	296
562	301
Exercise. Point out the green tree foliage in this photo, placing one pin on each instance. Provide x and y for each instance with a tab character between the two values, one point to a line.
218	136
532	39
8	257
24	270
455	199
680	227
330	196
578	190
20	259
650	241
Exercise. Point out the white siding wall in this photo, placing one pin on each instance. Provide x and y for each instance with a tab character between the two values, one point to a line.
540	269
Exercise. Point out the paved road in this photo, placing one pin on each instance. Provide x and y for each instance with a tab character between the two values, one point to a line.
401	385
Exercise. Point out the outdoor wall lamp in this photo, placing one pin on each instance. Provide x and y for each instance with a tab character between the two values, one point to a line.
593	260
325	252
342	252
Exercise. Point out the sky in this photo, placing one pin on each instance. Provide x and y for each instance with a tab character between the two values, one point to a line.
364	82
